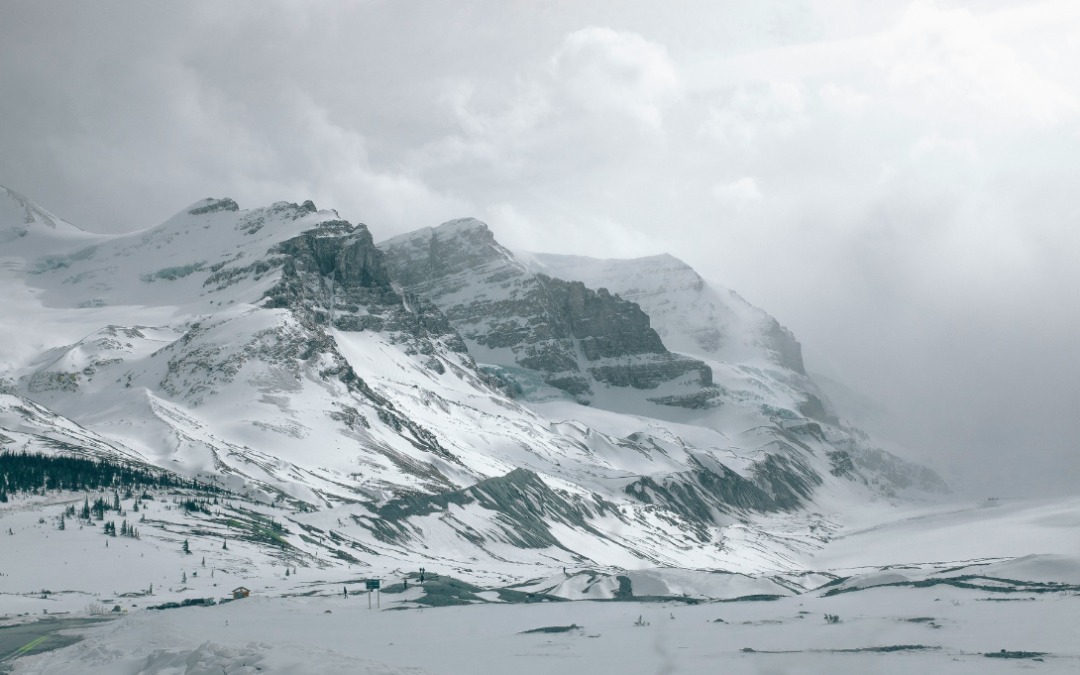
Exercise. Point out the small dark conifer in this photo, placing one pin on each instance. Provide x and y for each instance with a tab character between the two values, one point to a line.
186	549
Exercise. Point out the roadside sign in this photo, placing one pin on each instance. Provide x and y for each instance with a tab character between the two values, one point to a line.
373	585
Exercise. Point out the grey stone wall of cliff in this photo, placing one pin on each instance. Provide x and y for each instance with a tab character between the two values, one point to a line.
335	274
555	327
335	264
782	342
606	325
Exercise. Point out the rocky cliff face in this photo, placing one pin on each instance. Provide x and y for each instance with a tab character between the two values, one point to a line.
573	337
709	322
334	275
691	315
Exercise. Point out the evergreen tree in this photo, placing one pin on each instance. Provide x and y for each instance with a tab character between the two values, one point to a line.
61	522
183	578
98	508
123	529
225	545
3	496
204	561
116	501
186	549
85	513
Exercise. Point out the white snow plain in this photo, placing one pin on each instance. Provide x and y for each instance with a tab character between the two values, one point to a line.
904	599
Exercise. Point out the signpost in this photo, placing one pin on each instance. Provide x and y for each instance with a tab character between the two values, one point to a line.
373	585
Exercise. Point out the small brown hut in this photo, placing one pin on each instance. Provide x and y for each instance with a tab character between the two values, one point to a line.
240	592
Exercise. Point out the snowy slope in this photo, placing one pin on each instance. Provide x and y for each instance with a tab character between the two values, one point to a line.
277	353
919	614
498	301
757	363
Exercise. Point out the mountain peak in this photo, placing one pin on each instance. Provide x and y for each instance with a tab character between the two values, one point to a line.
462	225
470	228
456	246
210	205
20	217
31	212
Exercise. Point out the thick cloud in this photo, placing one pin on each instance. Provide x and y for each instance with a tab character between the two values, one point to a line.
892	180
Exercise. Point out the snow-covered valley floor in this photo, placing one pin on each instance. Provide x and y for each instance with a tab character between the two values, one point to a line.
936	630
929	590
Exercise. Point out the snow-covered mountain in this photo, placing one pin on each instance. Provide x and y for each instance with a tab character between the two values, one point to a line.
435	395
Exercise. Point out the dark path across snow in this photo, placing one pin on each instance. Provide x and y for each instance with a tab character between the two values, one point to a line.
40	636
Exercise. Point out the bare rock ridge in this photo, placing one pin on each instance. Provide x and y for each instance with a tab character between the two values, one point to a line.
691	315
574	337
525	505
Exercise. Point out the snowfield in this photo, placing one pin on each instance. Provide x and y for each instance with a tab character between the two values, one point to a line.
886	631
925	611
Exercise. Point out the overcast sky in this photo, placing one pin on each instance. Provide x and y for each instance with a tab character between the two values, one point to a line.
896	182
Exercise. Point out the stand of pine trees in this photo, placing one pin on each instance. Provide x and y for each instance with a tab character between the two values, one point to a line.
24	472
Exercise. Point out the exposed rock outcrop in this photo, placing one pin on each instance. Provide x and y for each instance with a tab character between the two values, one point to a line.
691	316
575	337
523	507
